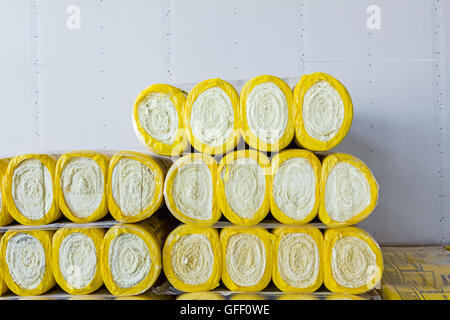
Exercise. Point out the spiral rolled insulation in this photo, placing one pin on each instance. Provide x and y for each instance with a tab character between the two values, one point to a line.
131	256
189	189
323	112
298	265
80	185
192	258
211	117
295	195
26	261
247	258
158	119
353	262
266	113
349	191
135	186
76	259
244	187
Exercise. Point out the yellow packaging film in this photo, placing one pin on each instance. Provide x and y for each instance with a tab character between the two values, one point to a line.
158	119
247	258
192	259
244	187
349	190
76	259
135	186
26	261
29	192
5	217
207	295
189	189
80	185
416	273
266	113
131	257
295	195
211	117
297	254
353	262
323	112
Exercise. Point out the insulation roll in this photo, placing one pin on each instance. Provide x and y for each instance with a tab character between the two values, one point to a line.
189	189
29	193
211	117
131	256
266	113
3	287
5	217
353	262
297	265
80	185
76	259
295	193
135	186
192	259
303	296
247	258
207	295
244	187
26	261
349	191
323	112
158	119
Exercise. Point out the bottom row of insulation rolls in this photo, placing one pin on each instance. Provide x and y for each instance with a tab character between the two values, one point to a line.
127	259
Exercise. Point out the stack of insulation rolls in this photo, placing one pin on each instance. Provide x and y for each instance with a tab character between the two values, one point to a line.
244	184
123	253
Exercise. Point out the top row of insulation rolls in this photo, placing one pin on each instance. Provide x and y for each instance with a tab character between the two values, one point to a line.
267	115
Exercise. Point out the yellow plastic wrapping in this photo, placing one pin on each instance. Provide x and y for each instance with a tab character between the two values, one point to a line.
152	232
276	162
353	259
192	262
302	137
192	184
416	273
96	235
53	213
327	165
249	136
158	170
102	161
29	263
208	295
246	258
222	178
5	217
233	139
178	143
277	277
